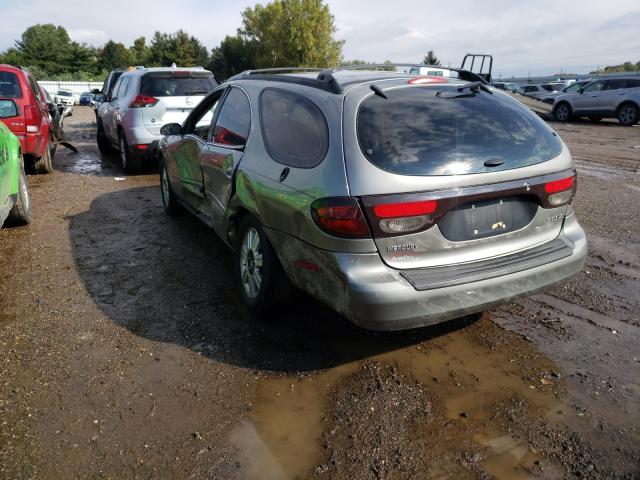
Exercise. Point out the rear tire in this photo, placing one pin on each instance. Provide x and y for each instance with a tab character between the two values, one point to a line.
20	214
130	162
562	112
101	139
44	163
261	281
628	114
171	205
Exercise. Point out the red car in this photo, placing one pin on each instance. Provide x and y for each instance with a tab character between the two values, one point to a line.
32	123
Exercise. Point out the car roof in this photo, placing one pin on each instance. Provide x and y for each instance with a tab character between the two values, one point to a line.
341	80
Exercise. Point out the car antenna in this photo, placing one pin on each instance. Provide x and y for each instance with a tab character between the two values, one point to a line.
378	91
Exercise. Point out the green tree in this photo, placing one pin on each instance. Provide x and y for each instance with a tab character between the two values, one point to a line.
140	51
296	33
180	48
232	56
45	47
115	55
431	59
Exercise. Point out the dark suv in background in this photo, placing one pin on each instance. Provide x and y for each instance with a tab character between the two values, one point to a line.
107	89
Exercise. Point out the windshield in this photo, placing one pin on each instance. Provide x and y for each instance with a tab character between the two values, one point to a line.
63	93
177	84
417	132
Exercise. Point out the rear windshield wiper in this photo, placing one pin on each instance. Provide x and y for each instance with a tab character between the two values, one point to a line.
473	88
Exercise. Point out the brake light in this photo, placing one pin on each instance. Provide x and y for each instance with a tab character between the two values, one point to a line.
143	101
559	185
340	216
560	191
141	146
31	119
427	80
409	209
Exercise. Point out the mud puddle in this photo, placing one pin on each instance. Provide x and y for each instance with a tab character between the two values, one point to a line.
441	392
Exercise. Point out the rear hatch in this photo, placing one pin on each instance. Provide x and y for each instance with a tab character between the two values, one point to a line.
450	174
172	95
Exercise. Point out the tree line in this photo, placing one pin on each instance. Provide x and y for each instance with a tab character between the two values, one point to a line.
623	67
299	33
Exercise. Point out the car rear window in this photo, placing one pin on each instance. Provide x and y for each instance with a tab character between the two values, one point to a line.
294	129
177	84
9	85
417	132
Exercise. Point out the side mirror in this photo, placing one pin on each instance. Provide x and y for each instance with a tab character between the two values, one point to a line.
581	90
171	129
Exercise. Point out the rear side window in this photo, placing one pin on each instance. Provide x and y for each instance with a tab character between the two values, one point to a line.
8	109
633	83
234	120
177	84
34	87
294	129
9	85
416	131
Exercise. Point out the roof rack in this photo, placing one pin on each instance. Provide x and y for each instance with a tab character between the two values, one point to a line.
326	80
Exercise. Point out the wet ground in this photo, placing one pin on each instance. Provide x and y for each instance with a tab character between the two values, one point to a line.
125	353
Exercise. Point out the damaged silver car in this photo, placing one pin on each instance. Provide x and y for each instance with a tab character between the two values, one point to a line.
398	200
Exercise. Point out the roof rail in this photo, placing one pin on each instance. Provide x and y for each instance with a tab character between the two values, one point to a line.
462	74
323	81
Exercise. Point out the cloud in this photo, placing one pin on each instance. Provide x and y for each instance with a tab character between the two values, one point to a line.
541	37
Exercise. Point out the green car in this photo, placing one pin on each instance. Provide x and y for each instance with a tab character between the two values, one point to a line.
14	196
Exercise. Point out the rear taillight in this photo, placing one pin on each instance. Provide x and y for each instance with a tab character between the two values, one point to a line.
143	101
340	217
31	119
560	191
404	217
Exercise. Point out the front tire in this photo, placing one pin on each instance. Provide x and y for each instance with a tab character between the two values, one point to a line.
260	279
20	214
130	162
169	201
44	163
562	112
628	114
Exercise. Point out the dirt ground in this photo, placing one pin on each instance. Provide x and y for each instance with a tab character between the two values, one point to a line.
125	352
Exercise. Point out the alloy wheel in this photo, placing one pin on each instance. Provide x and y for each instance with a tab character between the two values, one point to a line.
627	115
251	263
562	113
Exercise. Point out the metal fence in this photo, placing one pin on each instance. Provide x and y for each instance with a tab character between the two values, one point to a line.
77	88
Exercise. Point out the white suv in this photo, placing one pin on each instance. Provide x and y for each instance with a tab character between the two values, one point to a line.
144	99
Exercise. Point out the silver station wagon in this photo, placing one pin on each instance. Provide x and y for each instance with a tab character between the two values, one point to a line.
398	200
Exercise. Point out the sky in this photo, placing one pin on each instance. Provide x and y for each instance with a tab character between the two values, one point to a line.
537	38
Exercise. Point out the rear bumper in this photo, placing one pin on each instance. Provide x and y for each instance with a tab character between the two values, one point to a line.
377	297
31	144
140	135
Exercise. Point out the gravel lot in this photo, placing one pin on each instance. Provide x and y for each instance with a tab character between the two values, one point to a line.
125	352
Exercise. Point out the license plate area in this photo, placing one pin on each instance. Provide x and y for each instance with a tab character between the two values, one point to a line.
487	218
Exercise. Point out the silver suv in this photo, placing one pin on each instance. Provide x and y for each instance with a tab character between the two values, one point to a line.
397	200
142	100
606	98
